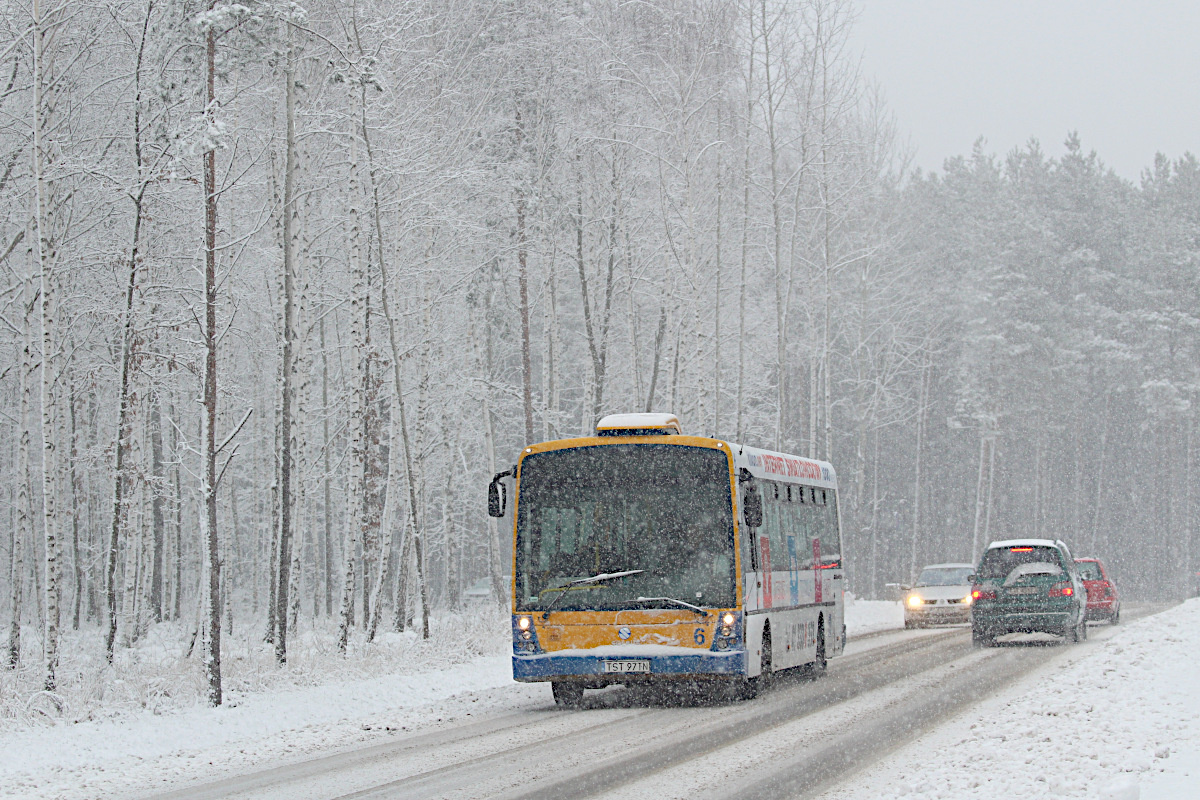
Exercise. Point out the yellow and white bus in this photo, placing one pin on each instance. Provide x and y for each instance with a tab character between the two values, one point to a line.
641	554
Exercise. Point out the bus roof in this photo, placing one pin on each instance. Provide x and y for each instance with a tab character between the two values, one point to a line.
639	424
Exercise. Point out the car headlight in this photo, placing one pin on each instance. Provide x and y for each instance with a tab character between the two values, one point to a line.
915	600
966	600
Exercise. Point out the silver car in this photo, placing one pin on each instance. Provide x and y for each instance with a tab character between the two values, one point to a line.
942	594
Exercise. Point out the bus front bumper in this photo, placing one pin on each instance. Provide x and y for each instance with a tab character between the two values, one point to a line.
702	664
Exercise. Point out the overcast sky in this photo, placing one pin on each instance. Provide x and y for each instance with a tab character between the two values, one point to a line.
1126	75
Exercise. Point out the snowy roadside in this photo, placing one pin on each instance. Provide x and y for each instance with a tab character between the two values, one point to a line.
872	616
1116	719
138	740
318	704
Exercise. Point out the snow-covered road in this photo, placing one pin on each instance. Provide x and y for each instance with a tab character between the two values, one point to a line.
1116	718
1117	712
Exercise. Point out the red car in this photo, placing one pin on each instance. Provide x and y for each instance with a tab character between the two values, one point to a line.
1103	601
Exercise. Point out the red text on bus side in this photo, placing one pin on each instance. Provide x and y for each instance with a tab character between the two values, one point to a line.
791	467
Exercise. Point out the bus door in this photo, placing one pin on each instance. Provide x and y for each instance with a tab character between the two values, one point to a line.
756	575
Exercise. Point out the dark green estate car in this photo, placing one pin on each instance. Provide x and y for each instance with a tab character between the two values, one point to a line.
1027	585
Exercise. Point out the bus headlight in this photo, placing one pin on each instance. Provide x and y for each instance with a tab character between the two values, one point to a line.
727	635
525	638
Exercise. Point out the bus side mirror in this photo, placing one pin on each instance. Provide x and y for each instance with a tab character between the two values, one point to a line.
752	511
497	495
496	499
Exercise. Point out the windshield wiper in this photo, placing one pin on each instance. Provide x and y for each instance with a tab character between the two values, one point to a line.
603	576
680	603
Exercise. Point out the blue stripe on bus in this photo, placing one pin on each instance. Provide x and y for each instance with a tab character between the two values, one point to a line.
732	662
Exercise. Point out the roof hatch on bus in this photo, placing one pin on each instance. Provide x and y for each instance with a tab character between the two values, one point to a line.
639	425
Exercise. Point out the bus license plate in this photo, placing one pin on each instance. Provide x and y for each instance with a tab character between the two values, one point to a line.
627	666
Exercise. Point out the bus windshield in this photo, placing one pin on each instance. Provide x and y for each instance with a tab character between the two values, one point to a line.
662	509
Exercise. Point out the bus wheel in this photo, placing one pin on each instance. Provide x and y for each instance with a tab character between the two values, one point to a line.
765	674
820	662
567	694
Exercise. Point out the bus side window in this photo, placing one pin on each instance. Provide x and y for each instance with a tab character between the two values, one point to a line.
781	527
831	546
749	536
770	525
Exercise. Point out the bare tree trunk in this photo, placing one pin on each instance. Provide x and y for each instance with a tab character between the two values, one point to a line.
296	575
47	255
73	479
1099	504
781	286
418	447
1038	468
327	555
229	556
124	430
875	519
208	489
980	500
991	480
745	244
523	283
658	342
134	541
390	498
176	609
717	297
483	367
156	509
273	537
397	424
23	533
595	389
453	583
16	576
922	401
354	499
551	352
287	437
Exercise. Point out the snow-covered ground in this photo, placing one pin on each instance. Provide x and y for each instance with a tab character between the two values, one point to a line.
142	723
1112	720
870	616
1106	717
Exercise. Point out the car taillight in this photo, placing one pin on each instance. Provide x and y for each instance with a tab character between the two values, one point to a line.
1062	590
982	594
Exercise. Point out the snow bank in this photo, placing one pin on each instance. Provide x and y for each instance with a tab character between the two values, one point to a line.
142	722
1118	719
868	616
